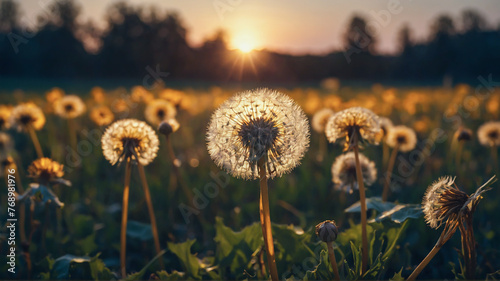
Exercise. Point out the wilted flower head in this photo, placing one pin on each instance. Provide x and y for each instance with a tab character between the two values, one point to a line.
168	126
102	115
45	170
320	118
443	200
385	125
5	112
489	134
353	121
159	110
26	116
403	137
130	139
344	172
254	125
463	134
69	107
327	231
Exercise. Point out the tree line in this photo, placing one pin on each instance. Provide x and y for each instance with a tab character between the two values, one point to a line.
138	40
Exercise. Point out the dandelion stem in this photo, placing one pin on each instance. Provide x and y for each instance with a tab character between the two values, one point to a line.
152	217
385	154
123	234
265	220
458	158
72	133
331	254
390	168
35	141
494	154
468	247
362	201
177	174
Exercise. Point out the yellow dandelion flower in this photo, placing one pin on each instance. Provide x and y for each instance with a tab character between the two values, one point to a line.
5	111
403	137
69	107
45	170
351	122
102	115
53	95
159	110
320	118
489	134
98	94
27	115
130	139
254	125
344	172
141	95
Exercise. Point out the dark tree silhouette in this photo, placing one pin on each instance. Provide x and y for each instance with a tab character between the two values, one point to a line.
357	35
473	21
9	15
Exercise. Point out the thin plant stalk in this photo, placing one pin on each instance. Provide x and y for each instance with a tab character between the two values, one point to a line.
458	158
331	254
449	230
385	153
265	220
123	233
72	133
152	216
35	141
362	201
187	192
494	155
322	148
468	247
390	168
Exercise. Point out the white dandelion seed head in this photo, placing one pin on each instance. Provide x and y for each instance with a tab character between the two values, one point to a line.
404	137
354	120
256	124
130	138
489	134
320	118
344	172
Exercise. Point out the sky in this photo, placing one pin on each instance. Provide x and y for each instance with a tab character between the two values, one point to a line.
292	26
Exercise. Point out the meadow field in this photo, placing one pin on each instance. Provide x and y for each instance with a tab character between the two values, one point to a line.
207	221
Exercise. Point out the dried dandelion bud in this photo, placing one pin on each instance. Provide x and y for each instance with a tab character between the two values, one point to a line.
327	231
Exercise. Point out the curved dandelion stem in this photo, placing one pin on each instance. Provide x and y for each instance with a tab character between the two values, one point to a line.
448	231
265	220
35	141
362	201
331	254
390	168
123	233
152	216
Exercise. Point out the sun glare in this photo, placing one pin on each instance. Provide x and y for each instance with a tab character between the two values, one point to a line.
244	43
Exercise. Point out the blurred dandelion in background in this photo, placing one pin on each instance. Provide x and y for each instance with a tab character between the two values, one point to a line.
29	118
159	110
102	116
318	124
344	172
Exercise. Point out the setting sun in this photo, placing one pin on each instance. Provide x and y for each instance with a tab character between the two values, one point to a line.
245	44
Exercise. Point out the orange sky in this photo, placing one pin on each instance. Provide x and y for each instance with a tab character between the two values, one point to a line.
294	26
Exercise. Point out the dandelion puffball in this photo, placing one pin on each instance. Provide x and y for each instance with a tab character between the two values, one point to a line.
254	125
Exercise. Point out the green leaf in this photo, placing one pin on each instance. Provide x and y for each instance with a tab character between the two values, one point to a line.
323	271
189	261
402	212
397	276
175	275
140	275
70	267
40	193
139	230
234	249
372	203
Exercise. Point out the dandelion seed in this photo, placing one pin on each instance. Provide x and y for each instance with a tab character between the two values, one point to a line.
26	116
320	118
69	107
254	125
353	121
402	137
158	111
489	134
344	172
130	139
102	115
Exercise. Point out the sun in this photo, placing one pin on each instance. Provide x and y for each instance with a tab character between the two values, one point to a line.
244	43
